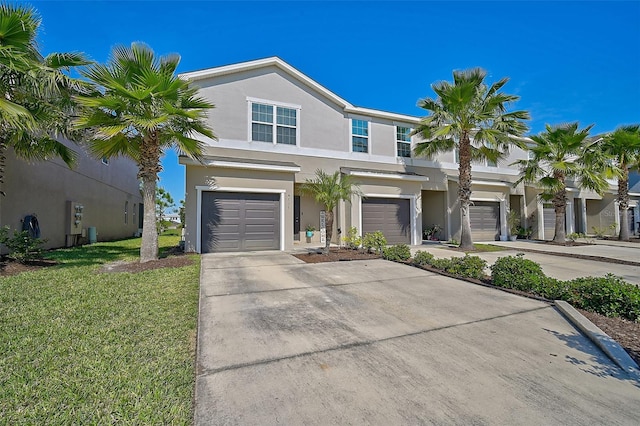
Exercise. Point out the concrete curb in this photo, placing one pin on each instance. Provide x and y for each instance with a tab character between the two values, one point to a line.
609	346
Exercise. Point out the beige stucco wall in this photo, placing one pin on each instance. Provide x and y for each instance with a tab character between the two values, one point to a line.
601	214
44	188
434	211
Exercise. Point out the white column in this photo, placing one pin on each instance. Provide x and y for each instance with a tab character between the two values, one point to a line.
616	216
540	213
503	220
583	208
569	217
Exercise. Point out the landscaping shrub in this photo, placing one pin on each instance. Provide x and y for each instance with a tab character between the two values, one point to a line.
610	296
22	246
518	273
467	266
352	240
375	240
397	252
423	258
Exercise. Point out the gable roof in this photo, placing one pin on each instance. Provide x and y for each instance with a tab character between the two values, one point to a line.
307	81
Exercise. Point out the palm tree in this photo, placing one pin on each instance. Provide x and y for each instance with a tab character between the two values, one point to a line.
465	110
142	110
35	91
623	145
328	190
560	153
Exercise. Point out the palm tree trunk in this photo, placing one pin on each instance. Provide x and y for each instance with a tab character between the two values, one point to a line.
560	208
149	164
464	192
623	203
3	159
329	228
149	246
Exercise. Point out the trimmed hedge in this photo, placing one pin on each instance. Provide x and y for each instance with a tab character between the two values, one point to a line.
467	266
610	295
397	252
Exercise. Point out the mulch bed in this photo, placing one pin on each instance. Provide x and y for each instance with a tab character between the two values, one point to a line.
135	267
9	267
336	255
623	331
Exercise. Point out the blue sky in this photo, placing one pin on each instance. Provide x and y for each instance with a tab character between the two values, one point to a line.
568	61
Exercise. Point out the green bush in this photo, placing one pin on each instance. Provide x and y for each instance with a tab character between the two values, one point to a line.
352	240
517	272
22	246
467	266
397	252
610	296
375	240
423	258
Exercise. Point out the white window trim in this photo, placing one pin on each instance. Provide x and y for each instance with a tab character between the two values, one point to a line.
351	135
415	239
275	105
410	142
205	188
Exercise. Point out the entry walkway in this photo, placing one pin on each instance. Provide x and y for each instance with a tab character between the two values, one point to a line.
607	249
376	342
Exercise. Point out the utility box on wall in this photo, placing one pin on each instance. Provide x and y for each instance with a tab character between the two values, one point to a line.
74	218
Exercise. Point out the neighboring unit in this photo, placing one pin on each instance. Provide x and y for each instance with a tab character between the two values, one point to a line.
95	199
276	127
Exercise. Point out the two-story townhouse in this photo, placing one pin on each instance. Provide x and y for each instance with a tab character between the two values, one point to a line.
101	195
276	127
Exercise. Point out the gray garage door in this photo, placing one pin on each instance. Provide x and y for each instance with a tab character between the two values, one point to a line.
485	220
549	215
389	215
240	222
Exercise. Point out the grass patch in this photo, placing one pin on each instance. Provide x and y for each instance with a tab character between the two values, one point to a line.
482	248
82	347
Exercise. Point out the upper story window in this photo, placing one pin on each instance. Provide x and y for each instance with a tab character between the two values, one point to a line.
359	135
403	141
274	123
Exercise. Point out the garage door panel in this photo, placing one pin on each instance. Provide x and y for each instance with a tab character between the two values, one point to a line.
391	216
240	221
485	220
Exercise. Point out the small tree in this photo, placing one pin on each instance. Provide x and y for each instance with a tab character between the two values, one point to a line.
328	190
164	201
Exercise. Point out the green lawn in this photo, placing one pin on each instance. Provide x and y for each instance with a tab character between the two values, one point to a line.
82	347
481	248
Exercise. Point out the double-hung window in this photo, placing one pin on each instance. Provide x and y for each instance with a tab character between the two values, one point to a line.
403	141
269	120
359	135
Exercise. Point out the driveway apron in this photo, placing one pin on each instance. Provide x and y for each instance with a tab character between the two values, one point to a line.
376	342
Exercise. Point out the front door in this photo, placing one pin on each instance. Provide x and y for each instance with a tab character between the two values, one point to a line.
296	217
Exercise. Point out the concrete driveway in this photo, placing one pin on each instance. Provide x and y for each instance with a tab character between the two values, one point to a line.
375	342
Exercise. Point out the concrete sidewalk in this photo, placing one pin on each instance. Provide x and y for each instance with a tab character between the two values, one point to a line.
560	267
376	342
606	249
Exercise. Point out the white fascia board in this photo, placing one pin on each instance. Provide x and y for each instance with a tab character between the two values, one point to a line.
388	176
383	114
634	194
240	165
